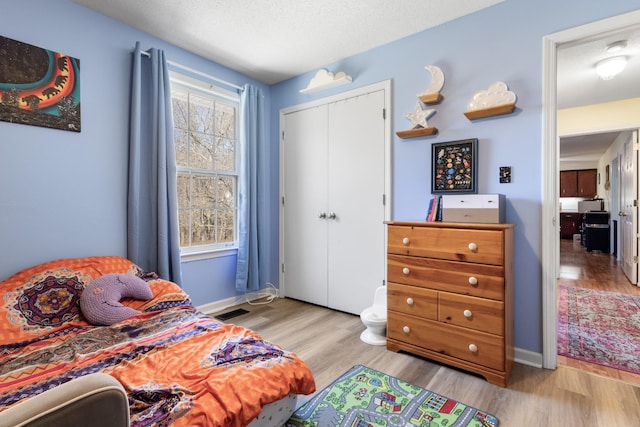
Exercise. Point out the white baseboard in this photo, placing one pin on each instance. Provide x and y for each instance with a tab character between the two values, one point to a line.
527	357
216	306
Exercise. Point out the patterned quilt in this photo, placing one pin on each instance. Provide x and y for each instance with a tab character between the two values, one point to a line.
179	366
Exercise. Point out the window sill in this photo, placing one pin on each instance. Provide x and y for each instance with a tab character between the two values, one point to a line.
215	253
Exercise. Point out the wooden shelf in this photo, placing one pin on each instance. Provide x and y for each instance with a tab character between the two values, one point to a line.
414	133
430	98
490	112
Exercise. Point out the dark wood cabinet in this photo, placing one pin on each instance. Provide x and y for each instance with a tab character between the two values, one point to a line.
579	183
569	224
587	183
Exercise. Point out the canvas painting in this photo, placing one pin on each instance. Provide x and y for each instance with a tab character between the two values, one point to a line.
38	87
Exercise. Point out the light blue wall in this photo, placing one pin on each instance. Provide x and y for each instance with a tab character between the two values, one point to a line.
63	194
501	43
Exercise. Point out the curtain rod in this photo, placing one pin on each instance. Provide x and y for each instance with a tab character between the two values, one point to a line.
200	73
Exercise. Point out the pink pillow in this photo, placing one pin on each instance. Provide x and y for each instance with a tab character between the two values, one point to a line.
100	300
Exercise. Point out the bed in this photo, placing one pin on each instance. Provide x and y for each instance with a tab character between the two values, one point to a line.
178	366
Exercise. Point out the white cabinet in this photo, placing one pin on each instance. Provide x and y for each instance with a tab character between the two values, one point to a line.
333	188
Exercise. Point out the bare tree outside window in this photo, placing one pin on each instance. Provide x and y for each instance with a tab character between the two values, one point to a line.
206	156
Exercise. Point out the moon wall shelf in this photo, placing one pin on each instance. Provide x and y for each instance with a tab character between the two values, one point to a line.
414	133
430	98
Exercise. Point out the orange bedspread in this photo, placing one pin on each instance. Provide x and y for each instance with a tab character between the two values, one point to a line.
179	366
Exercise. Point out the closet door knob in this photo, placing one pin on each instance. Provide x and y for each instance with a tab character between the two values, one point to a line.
473	247
473	348
322	215
467	313
406	271
406	329
473	281
410	301
405	241
332	215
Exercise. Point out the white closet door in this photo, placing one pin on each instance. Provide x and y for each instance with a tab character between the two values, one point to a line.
305	233
356	177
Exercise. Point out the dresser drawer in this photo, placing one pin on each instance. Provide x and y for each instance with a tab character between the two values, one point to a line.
479	280
412	300
466	344
471	312
468	245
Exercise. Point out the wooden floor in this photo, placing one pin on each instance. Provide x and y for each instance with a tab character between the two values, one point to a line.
594	270
329	342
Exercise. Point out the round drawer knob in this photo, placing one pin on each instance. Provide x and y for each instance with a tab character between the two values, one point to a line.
406	329
406	271
467	313
410	301
405	241
473	281
473	348
473	247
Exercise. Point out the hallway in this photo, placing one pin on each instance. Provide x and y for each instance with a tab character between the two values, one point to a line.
593	270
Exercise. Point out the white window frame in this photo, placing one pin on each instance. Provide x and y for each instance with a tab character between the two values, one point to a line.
194	253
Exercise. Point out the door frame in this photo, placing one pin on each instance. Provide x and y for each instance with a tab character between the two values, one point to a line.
550	168
385	86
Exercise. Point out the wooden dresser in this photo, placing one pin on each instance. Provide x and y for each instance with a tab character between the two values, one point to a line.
450	294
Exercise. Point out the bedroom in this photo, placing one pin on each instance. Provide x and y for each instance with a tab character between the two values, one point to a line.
68	191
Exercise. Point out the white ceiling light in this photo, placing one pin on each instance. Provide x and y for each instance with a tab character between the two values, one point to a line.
616	46
611	67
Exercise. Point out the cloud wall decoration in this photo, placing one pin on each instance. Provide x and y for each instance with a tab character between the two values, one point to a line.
496	100
325	79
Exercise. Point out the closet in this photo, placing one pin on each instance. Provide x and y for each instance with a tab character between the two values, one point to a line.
333	189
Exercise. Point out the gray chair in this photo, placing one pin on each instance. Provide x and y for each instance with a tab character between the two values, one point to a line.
96	400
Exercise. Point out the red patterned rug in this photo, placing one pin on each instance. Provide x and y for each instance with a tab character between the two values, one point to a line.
599	327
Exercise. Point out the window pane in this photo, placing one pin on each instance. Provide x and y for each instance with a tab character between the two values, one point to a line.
226	192
203	192
184	221
182	147
225	120
225	157
201	151
226	232
200	114
179	105
183	191
203	232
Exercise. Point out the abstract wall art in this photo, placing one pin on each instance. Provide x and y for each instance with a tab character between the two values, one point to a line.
38	87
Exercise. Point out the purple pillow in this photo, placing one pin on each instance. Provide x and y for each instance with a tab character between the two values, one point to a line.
100	300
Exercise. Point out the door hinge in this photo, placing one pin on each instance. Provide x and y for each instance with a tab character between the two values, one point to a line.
635	145
384	114
635	259
635	203
282	134
282	200
283	267
384	200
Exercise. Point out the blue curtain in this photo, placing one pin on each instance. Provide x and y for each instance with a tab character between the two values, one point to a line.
152	205
252	220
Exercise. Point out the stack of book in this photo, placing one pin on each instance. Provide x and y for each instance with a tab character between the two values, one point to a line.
435	209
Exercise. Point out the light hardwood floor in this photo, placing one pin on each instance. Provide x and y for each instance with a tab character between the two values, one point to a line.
594	270
329	342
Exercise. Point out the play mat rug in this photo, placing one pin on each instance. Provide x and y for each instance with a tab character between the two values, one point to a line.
364	397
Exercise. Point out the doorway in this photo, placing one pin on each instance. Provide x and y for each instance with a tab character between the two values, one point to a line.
550	148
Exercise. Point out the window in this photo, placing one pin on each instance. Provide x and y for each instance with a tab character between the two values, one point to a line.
205	133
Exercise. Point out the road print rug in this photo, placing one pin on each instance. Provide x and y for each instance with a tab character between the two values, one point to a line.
364	397
599	327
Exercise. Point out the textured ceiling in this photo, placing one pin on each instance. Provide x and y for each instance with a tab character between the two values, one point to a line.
274	40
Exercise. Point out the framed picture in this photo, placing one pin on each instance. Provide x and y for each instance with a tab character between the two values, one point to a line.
454	167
